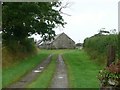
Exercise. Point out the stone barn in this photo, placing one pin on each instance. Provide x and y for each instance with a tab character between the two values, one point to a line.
60	41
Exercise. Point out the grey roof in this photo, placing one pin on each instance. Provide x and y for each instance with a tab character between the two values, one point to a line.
51	41
55	37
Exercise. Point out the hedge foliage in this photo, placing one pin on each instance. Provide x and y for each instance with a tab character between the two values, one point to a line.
97	45
119	46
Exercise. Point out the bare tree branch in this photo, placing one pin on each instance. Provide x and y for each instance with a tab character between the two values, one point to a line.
65	13
67	4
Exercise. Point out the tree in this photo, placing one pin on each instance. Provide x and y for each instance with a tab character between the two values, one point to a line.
22	19
119	46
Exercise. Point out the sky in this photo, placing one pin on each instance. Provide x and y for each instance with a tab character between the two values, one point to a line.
88	17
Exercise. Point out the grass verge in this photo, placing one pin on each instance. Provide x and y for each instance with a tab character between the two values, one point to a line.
82	71
45	78
16	71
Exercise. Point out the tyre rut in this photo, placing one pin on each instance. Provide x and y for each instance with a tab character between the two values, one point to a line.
60	79
31	76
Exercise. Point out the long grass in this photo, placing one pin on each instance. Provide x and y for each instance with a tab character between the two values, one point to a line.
44	79
82	71
15	72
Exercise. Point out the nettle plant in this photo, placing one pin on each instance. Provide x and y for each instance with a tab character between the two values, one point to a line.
110	76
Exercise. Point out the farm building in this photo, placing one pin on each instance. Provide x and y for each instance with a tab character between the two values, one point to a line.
60	41
79	45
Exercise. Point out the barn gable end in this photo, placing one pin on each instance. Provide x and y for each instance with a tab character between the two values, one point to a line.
61	41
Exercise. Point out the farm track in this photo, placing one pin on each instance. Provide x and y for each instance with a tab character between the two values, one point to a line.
60	79
31	76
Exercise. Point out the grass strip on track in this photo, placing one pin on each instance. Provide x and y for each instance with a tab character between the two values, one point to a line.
82	71
45	77
15	72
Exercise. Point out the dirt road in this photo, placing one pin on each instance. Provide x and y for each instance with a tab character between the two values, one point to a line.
32	75
60	79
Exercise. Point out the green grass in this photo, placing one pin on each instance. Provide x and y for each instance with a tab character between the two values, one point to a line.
0	78
16	71
82	71
44	79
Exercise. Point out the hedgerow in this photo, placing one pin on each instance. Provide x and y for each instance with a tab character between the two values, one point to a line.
97	46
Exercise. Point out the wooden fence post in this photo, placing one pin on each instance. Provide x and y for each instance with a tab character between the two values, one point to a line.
111	54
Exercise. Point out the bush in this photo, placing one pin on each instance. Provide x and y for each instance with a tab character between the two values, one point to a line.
119	46
23	46
97	46
14	50
110	76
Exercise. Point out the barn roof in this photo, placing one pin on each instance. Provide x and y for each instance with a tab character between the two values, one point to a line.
57	36
51	41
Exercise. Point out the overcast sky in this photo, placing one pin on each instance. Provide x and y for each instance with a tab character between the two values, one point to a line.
88	17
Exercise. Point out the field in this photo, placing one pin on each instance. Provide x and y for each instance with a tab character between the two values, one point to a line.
82	71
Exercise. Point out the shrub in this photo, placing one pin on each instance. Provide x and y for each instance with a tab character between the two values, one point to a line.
14	50
110	76
119	46
23	46
97	46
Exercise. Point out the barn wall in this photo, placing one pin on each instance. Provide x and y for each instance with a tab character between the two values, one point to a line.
63	42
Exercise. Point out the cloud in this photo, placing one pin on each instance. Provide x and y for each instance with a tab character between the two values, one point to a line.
86	18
